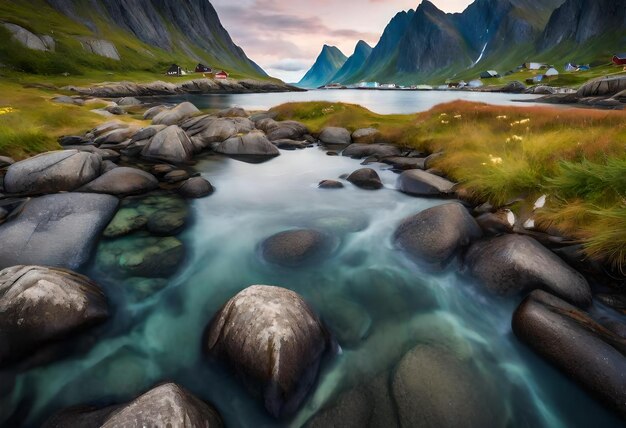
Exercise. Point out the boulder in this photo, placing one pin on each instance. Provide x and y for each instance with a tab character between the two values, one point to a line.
366	136
285	130
147	132
62	170
289	144
122	181
107	127
497	223
56	230
252	144
41	304
359	150
420	183
176	176
169	145
195	187
128	101
126	221
514	87
298	247
175	115
607	86
115	110
404	163
143	256
436	234
6	161
28	39
64	99
100	47
232	112
434	388
330	184
271	337
588	353
219	130
335	136
72	140
153	111
167	405
513	264
365	178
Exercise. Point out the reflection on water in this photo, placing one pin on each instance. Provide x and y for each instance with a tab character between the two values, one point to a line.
384	102
379	302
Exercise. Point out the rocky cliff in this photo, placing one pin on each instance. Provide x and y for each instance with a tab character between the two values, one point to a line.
329	61
362	51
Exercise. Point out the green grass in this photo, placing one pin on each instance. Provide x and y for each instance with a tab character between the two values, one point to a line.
500	154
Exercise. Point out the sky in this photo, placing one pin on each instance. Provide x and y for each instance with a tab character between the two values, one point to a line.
285	36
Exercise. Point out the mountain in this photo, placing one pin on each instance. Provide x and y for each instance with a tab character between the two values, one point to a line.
361	53
329	61
140	34
580	21
428	45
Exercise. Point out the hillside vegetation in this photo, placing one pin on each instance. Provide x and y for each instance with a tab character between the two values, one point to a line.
506	154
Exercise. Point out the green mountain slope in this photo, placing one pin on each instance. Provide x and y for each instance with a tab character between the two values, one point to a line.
329	61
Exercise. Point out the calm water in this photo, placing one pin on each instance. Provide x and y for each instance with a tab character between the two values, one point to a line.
385	303
384	102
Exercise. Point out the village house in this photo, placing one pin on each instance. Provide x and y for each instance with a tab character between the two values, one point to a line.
174	70
221	75
201	68
619	59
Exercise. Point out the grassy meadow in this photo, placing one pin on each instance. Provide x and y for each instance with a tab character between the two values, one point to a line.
503	154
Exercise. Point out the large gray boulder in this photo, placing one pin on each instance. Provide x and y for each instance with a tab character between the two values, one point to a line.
359	150
212	130
57	171
588	353
434	388
28	39
285	130
169	145
100	47
44	304
122	181
607	86
421	183
405	163
167	405
297	247
335	136
273	338
252	144
513	264
436	234
366	136
175	115
366	178
195	187
56	230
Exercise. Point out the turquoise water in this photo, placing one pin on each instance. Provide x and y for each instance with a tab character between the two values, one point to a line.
379	303
384	102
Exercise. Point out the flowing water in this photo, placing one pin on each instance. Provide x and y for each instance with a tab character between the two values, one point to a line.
378	302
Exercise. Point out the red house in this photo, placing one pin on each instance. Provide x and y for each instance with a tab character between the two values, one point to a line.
619	59
221	75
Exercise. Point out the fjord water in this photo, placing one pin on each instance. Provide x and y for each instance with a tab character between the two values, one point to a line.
378	101
379	304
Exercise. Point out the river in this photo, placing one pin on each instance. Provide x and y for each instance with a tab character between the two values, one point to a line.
379	302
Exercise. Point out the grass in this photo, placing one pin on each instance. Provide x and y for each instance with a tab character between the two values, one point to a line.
501	154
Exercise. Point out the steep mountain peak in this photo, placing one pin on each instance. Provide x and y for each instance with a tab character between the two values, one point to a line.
346	73
326	65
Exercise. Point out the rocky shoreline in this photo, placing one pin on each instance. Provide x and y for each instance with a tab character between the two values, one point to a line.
195	86
120	194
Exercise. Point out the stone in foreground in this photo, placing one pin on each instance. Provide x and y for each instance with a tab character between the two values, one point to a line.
175	115
420	183
435	235
41	304
195	187
273	338
366	136
167	405
298	247
365	178
56	230
252	144
62	170
335	136
569	338
170	145
122	181
512	264
360	151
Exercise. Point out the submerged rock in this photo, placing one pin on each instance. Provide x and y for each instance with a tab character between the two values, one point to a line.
435	235
330	184
271	337
365	178
297	247
122	181
43	304
138	255
335	136
56	230
585	351
167	405
512	264
62	170
420	183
